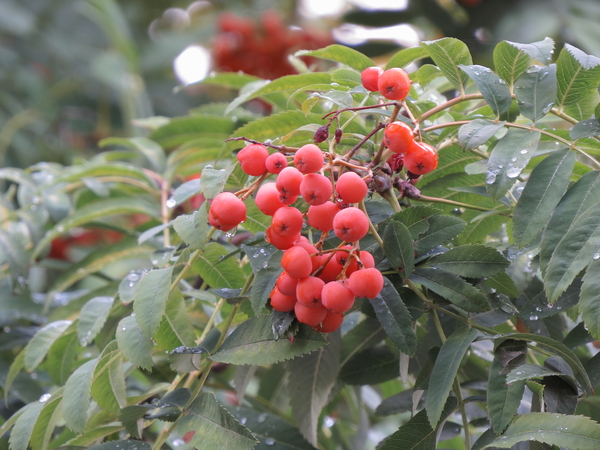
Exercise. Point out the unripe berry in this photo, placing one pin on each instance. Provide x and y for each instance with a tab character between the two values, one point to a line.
296	262
308	291
394	84
287	222
252	158
309	159
351	187
350	224
267	199
288	181
276	162
330	323
321	216
282	302
310	316
370	77
226	211
365	283
336	297
398	137
316	189
421	158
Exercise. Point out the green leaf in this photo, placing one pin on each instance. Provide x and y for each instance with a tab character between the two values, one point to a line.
153	152
253	342
578	76
441	229
62	355
92	318
448	53
585	128
134	343
46	422
193	228
372	366
76	399
444	371
38	347
425	74
212	181
509	157
93	211
150	299
589	302
477	132
123	444
233	80
504	284
510	61
535	91
272	431
184	192
417	218
180	130
398	247
108	387
364	335
264	282
256	221
417	433
576	432
406	56
23	428
574	251
93	170
471	261
395	318
529	371
311	378
218	271
176	328
452	288
494	89
342	54
544	189
15	368
213	426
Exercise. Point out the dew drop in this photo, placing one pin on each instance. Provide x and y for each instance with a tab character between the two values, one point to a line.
513	172
44	398
519	373
178	442
524	152
243	420
171	203
269	441
60	228
490	176
124	329
597	256
533	317
262	417
231	233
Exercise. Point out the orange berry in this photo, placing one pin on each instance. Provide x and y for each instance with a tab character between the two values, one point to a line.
350	224
252	159
365	283
394	84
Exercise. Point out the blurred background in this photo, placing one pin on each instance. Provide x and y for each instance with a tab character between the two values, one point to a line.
75	71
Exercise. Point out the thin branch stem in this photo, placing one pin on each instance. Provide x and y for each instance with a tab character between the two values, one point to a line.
279	148
425	198
450	103
371	226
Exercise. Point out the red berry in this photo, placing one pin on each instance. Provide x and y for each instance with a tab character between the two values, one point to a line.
351	187
316	189
396	162
421	158
394	84
282	302
226	211
267	199
370	77
331	271
312	251
342	258
282	243
336	297
289	180
367	259
350	224
365	283
398	137
296	262
252	159
309	159
287	222
308	291
286	284
276	162
321	216
310	316
330	323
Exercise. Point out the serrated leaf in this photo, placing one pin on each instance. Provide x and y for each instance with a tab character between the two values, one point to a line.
395	318
477	132
46	422
256	221
417	433
452	288
417	218
76	399
398	247
150	299
544	190
62	355
585	128
589	303
494	89
508	158
406	56
528	371
574	251
234	80
425	74
265	282
92	318
258	256
187	359
504	284
123	444
253	343
184	191
372	366
471	261
398	403
218	271
23	427
577	74
365	334
108	387
272	431
153	152
444	371
193	228
15	368
448	53
38	347
535	91
584	194
578	432
311	378
441	229
212	181
180	130
342	54
97	210
135	345
93	170
176	328
213	426
510	61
